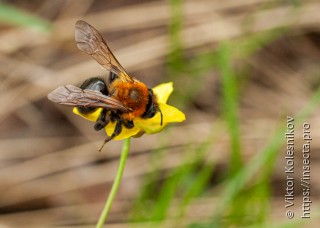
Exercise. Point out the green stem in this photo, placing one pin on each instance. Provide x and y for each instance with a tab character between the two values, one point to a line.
116	183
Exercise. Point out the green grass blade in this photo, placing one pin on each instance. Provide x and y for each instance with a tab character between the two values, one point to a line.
267	156
15	16
230	103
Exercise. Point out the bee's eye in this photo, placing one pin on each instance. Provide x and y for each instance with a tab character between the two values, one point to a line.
112	77
152	107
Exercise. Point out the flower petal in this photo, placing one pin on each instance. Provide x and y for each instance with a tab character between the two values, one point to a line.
125	132
163	91
93	116
152	125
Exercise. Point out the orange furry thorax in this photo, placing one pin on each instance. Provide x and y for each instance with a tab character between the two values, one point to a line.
134	95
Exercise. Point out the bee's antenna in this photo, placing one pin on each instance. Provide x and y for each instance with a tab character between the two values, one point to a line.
161	122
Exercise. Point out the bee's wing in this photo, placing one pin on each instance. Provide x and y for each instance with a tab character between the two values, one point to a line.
74	96
89	40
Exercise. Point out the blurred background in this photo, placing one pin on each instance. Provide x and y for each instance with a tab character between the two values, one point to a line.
239	68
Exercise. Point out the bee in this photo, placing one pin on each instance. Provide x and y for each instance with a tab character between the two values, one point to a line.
122	97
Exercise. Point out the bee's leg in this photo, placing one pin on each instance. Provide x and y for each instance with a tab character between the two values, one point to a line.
128	124
117	131
102	120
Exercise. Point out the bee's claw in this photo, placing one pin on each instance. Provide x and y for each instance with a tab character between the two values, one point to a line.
104	143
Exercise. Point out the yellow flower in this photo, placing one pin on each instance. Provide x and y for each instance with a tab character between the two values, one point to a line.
149	125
